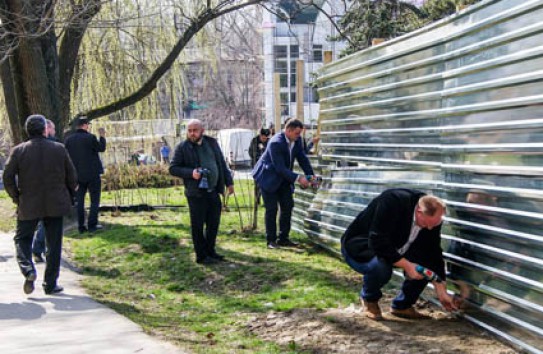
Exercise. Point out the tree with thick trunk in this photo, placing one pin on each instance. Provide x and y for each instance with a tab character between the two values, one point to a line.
37	70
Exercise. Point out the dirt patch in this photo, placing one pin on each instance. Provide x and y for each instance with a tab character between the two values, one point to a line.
345	330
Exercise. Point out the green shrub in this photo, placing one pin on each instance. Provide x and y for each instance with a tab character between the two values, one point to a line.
127	176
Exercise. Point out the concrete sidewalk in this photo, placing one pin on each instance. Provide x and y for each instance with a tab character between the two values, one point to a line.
69	323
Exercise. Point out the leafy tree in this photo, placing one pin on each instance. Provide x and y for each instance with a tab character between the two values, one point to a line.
369	19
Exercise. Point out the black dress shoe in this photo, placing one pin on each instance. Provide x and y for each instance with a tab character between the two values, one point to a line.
96	228
273	245
55	290
207	260
287	243
28	286
38	257
218	257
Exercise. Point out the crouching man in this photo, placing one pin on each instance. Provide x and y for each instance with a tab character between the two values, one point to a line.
399	228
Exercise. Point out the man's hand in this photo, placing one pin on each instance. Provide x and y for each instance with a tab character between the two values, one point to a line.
195	174
102	132
446	300
230	189
303	181
409	269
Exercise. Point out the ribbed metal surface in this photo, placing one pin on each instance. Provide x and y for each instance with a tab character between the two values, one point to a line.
455	109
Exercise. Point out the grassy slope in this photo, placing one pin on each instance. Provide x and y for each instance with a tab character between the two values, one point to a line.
143	267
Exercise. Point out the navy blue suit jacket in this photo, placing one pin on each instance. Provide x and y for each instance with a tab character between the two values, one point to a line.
275	166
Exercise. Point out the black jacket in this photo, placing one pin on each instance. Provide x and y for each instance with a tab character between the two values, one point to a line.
84	148
256	149
383	228
185	160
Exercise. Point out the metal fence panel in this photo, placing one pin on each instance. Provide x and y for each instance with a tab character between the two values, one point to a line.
455	109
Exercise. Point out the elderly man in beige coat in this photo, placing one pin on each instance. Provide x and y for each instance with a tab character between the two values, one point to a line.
41	180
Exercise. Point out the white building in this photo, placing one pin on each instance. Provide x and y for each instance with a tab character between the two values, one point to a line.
303	37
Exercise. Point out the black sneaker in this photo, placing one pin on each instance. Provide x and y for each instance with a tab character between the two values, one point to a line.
287	243
273	245
55	290
38	257
28	286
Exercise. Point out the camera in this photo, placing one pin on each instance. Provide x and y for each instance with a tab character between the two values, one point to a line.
204	174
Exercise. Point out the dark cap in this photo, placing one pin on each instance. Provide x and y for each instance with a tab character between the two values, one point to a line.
82	120
265	131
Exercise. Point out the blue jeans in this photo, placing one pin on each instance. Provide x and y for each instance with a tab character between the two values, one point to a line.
376	274
38	244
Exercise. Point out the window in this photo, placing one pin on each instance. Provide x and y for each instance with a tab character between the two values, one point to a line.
283	96
283	80
317	53
294	51
280	51
281	66
311	94
292	97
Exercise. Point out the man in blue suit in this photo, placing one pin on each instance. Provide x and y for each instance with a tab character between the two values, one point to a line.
273	174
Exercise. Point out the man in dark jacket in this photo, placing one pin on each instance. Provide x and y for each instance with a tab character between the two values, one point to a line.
200	162
399	228
258	145
273	174
40	179
84	148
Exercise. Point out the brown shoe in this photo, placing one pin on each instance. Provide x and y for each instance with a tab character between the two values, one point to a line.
409	313
371	310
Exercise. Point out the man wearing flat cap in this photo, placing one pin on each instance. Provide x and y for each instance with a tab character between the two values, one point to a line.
40	179
84	148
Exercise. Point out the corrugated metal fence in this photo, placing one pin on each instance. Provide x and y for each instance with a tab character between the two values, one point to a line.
455	109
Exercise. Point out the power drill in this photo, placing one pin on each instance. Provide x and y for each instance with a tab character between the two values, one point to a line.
428	274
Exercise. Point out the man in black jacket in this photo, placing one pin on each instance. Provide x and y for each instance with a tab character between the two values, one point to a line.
40	179
399	228
200	162
84	148
258	145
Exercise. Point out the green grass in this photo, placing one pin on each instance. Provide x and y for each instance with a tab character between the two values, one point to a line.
143	266
7	213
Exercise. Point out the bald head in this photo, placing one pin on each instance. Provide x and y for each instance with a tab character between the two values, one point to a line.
195	130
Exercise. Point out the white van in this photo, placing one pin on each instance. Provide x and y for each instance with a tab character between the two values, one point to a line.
235	145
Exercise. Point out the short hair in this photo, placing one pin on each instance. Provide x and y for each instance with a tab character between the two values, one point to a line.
294	123
49	123
195	121
82	120
35	125
430	205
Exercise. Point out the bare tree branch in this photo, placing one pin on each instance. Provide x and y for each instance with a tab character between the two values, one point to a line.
195	26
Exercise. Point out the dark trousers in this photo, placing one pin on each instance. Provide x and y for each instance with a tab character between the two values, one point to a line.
94	187
376	274
205	211
53	240
283	200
